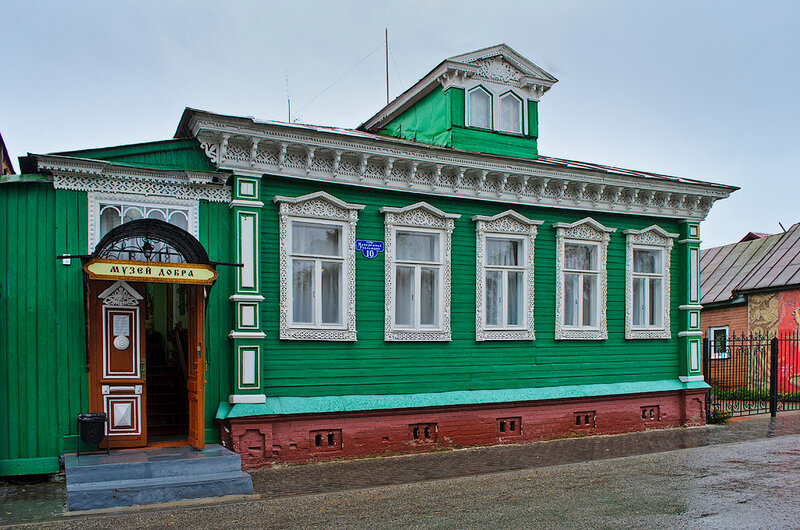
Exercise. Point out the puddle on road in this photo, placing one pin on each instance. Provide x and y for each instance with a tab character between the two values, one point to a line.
31	499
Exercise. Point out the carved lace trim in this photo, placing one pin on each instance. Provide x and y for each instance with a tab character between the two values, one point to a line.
319	205
652	236
506	223
586	229
142	186
120	294
347	160
420	215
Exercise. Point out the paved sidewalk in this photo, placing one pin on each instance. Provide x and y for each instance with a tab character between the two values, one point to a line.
45	501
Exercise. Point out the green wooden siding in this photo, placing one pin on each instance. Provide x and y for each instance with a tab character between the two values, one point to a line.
216	237
43	382
373	366
166	154
439	119
43	377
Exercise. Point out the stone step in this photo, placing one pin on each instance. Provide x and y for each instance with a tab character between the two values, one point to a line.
114	493
150	463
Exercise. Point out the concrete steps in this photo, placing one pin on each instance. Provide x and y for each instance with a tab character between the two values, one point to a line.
148	476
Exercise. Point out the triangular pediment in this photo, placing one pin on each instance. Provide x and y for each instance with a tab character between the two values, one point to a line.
502	63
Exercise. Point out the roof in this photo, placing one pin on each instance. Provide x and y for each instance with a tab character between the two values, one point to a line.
753	235
183	131
763	263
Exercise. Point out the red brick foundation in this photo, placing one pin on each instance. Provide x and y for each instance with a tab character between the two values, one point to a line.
263	440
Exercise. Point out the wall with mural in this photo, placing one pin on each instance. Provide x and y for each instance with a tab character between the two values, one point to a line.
778	313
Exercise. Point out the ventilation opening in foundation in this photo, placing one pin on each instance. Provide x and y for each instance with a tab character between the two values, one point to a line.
509	426
586	419
423	432
325	440
651	413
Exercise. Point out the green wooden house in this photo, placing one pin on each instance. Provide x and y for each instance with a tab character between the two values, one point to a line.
300	292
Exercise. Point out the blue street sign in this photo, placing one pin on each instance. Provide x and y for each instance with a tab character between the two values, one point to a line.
369	249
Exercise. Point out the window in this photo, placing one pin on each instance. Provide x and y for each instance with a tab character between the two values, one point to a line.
108	211
480	108
581	277
648	288
504	277
418	273
719	342
510	113
417	278
317	267
648	283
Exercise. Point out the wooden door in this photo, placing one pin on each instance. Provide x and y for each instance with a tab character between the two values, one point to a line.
196	364
117	373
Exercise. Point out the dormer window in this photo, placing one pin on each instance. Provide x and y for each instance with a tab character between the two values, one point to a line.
480	108
510	113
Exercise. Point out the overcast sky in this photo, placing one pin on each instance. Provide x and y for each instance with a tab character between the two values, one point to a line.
706	90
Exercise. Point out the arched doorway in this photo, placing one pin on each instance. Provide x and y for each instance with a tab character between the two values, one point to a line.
146	286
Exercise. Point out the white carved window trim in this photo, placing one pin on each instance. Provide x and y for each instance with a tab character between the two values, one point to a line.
585	231
95	199
424	217
512	225
652	237
318	207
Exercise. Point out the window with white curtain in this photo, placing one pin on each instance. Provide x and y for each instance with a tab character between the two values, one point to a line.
480	108
580	279
317	267
418	280
648	283
504	276
317	264
648	288
510	113
417	272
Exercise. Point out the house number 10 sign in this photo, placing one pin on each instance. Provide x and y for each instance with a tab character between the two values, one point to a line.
369	249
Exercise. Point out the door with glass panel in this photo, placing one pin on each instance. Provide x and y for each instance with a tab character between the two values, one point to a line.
318	269
504	272
581	285
418	267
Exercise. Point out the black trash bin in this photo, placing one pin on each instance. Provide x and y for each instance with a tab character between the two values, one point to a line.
92	430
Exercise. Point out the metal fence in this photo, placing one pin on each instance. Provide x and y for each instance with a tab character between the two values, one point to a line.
751	374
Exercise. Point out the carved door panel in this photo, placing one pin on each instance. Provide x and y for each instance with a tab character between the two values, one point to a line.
196	363
117	373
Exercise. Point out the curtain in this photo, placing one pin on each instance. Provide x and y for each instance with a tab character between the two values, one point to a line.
316	239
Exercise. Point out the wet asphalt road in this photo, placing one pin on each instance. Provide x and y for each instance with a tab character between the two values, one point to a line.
752	484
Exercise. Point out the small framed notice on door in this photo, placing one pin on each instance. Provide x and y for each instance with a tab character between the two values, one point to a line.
122	325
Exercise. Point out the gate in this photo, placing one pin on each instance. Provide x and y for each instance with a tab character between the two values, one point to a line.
752	374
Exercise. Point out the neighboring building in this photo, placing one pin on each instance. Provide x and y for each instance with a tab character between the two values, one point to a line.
7	166
425	279
751	288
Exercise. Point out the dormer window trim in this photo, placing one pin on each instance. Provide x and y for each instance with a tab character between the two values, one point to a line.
510	93
468	99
